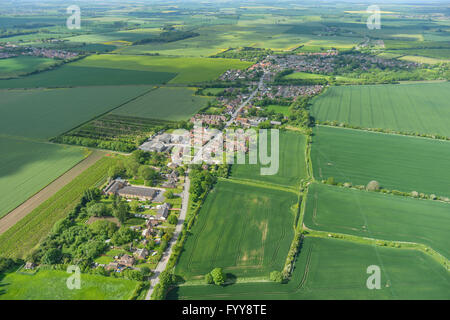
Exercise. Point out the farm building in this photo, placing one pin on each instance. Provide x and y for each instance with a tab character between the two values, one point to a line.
162	211
122	188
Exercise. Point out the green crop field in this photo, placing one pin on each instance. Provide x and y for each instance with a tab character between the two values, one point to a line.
51	285
292	165
16	66
378	216
187	70
168	103
45	113
244	229
406	108
21	238
73	75
336	269
26	167
396	162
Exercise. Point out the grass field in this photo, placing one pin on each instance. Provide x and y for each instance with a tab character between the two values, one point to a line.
168	103
378	216
336	269
26	167
26	234
51	285
407	108
278	109
74	75
396	162
244	229
307	76
45	113
292	165
187	70
16	66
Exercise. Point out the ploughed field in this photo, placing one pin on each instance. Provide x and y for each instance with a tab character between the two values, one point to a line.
409	108
378	216
397	162
337	269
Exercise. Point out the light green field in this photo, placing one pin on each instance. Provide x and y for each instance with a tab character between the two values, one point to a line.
378	216
292	165
26	167
336	269
51	285
12	67
396	162
188	70
20	239
246	230
278	109
307	76
168	103
407	108
45	113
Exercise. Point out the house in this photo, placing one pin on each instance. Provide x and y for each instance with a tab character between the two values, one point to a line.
122	188
152	223
147	232
29	266
112	266
162	211
141	253
126	260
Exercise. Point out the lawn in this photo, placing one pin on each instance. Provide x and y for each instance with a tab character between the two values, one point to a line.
292	165
396	162
409	108
51	285
378	216
16	66
168	103
336	269
307	76
278	109
246	230
20	239
26	167
45	113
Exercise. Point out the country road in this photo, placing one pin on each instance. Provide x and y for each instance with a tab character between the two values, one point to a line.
165	258
28	206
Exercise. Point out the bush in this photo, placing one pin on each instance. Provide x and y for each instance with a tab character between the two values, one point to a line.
209	278
172	219
373	186
218	276
276	276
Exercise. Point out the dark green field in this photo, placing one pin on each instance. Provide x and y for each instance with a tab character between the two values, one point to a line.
336	269
244	229
379	216
45	113
396	162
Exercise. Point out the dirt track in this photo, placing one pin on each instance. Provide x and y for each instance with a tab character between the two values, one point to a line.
25	208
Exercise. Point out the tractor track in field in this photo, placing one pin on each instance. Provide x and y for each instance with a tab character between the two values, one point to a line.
38	198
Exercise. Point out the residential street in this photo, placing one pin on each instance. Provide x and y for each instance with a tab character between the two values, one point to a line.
165	258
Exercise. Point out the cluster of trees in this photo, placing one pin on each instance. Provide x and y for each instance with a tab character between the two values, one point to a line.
96	143
168	36
245	53
299	115
216	276
7	264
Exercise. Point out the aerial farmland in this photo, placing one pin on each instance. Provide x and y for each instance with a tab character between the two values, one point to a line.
224	150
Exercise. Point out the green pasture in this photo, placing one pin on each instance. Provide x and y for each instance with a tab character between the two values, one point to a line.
397	162
247	230
16	66
278	109
421	107
292	163
337	269
51	285
167	103
45	113
378	216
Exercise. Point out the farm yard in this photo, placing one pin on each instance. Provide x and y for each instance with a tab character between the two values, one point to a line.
166	103
46	113
378	216
292	163
244	229
336	269
397	162
51	285
28	166
408	108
